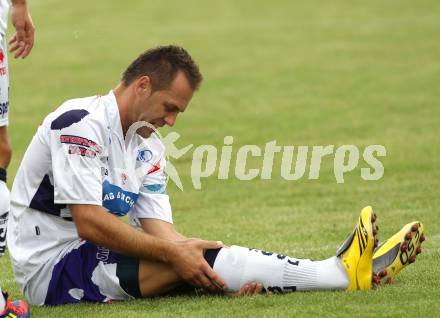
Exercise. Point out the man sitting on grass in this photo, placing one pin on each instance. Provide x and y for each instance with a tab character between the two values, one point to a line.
89	164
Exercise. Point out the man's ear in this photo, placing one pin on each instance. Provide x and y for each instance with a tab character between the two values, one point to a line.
143	85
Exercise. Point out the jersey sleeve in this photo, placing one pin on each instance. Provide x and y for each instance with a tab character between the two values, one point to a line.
77	145
153	201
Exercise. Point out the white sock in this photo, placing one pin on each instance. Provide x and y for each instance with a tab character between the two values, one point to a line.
4	209
4	198
278	273
2	301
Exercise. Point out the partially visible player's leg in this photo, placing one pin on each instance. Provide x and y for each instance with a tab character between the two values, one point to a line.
5	148
4	210
5	157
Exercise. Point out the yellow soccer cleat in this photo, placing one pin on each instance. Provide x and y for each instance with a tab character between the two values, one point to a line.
356	252
397	252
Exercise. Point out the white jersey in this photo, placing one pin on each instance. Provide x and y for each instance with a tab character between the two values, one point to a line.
79	156
4	11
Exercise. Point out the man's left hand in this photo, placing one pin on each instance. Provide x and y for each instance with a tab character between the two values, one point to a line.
22	41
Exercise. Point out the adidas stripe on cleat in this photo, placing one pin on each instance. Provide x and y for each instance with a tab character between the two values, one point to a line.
398	251
356	252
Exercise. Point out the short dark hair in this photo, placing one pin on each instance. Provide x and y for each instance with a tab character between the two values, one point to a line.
162	64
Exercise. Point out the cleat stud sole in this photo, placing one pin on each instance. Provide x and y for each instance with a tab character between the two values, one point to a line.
375	279
404	247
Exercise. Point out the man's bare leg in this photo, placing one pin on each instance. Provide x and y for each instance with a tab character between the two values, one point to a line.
5	148
156	278
5	158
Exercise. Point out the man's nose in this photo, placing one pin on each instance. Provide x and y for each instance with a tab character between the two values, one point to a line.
170	120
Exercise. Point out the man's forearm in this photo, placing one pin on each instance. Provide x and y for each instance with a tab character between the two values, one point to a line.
104	229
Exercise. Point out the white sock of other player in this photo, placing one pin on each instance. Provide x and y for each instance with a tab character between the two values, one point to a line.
4	210
2	301
277	273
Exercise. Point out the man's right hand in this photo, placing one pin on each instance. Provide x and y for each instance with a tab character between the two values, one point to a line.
188	262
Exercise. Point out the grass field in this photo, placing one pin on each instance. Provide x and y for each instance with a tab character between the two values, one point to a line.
301	73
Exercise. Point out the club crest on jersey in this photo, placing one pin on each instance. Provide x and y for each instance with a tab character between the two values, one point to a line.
144	155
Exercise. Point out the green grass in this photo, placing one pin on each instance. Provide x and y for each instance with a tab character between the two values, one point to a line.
301	73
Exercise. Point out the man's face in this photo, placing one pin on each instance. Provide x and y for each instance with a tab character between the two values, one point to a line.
161	107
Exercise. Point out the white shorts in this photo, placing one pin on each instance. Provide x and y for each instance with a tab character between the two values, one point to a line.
4	82
53	266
